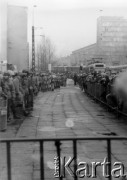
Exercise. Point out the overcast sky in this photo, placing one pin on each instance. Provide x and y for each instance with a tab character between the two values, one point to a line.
70	24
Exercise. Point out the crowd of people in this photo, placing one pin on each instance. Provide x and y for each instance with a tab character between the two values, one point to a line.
103	87
19	89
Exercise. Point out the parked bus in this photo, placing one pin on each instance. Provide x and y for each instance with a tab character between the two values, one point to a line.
95	67
116	69
63	69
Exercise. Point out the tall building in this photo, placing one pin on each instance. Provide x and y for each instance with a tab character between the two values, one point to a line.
17	46
3	30
112	39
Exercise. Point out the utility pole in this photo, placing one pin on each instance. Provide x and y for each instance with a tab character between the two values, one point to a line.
33	50
33	43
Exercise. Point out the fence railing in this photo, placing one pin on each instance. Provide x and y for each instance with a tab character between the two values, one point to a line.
58	142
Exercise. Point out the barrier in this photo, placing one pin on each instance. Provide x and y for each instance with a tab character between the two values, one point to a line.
3	114
58	144
99	92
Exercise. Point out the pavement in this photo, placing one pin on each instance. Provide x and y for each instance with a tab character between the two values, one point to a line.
65	112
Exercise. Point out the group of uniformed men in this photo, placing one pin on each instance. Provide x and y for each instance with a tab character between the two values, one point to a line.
19	89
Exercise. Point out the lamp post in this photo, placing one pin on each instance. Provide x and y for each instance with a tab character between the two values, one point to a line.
33	43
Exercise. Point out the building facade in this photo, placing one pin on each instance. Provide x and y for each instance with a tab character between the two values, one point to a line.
112	39
3	30
17	46
84	55
64	61
111	45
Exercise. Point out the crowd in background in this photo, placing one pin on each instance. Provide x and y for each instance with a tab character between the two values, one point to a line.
103	87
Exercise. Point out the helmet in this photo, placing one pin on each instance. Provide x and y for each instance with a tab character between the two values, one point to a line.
23	74
25	71
6	73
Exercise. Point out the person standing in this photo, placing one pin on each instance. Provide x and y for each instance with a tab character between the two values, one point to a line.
9	90
75	79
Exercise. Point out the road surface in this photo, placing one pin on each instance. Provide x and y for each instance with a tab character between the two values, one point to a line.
66	112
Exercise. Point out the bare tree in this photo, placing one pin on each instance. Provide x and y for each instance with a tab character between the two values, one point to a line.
50	50
45	54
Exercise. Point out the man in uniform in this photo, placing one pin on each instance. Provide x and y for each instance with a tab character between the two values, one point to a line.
9	90
75	79
19	92
31	90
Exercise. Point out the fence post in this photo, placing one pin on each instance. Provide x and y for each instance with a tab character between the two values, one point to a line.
109	157
8	160
58	144
75	158
41	161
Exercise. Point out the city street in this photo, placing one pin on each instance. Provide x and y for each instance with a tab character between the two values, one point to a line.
65	112
63	89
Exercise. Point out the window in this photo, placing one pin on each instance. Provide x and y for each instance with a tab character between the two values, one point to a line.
99	65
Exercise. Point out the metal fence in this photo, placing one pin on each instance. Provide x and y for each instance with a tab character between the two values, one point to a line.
58	142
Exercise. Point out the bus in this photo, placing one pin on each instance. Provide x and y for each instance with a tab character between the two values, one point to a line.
116	69
63	69
95	67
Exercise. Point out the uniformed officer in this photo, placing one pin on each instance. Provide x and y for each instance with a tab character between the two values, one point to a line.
9	91
24	85
30	90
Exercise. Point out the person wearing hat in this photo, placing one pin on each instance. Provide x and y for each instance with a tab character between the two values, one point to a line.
30	90
75	79
18	90
24	88
9	90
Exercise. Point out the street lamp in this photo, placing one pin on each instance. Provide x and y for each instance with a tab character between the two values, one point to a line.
33	44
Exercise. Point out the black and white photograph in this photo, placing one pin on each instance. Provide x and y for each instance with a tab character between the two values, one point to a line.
63	89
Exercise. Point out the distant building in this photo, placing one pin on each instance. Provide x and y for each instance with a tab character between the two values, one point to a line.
84	55
112	39
111	45
17	46
3	31
63	61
